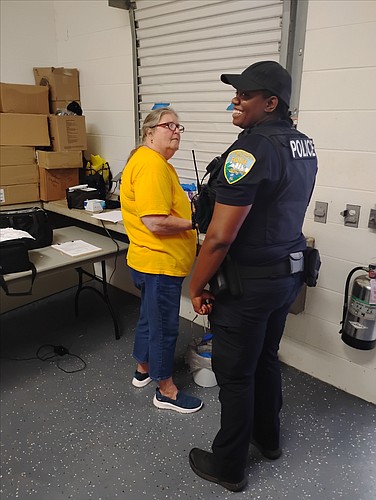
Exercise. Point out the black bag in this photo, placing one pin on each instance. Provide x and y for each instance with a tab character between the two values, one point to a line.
204	201
14	258
32	220
312	264
95	177
76	198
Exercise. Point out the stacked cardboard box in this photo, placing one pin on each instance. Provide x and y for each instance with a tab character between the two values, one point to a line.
67	133
18	175
18	98
63	85
58	169
23	126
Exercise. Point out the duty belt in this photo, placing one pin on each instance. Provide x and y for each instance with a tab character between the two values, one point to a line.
273	271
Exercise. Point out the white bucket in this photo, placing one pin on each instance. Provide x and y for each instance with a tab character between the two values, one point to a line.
204	377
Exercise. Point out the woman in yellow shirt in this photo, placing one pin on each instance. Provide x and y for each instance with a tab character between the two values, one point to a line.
157	218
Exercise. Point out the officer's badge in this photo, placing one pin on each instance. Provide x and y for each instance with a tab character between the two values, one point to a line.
237	165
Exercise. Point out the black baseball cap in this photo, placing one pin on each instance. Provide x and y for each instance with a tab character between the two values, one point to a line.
263	75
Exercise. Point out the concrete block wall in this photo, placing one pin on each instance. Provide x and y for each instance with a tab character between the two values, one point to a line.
338	109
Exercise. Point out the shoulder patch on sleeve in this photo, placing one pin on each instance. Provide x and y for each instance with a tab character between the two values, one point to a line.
237	165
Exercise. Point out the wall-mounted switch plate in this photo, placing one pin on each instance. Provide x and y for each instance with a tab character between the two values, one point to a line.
320	212
372	219
352	215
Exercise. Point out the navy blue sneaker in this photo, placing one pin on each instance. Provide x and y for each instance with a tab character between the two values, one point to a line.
183	402
141	379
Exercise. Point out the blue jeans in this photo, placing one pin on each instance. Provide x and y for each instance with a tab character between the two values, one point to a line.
158	325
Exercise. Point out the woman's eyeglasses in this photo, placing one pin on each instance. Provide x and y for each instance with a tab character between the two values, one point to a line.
171	125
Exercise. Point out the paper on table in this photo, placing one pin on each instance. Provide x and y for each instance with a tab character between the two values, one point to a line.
9	233
76	248
113	216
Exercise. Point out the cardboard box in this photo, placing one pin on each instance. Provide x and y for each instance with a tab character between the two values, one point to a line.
23	130
68	133
62	82
17	155
55	105
53	183
20	193
16	98
18	174
59	159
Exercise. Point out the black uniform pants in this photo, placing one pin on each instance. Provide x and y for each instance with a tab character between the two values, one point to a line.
247	332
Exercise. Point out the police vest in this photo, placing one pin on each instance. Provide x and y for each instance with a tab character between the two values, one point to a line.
279	209
291	146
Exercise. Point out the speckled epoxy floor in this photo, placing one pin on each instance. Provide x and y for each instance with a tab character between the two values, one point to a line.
91	435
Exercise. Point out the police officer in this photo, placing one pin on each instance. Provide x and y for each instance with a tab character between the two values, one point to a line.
256	231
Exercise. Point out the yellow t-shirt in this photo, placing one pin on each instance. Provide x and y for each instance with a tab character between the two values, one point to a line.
150	186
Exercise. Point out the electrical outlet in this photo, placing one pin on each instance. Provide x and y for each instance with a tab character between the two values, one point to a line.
372	219
320	212
352	215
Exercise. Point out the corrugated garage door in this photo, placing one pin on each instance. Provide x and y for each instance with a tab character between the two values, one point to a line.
183	46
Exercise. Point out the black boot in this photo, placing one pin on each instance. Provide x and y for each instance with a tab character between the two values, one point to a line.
270	454
201	463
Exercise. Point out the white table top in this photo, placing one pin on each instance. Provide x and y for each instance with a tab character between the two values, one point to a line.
49	260
61	207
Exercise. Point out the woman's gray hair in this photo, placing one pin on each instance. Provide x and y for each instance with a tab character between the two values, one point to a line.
153	119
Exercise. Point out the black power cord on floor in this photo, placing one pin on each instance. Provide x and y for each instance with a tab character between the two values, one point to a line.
54	353
117	252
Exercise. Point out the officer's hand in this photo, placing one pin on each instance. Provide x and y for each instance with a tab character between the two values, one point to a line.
203	304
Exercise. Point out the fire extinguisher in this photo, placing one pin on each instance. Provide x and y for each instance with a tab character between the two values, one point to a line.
359	310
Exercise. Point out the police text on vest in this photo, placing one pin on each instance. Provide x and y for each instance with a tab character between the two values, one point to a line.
302	148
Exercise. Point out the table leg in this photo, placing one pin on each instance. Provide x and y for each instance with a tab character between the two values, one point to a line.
103	294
